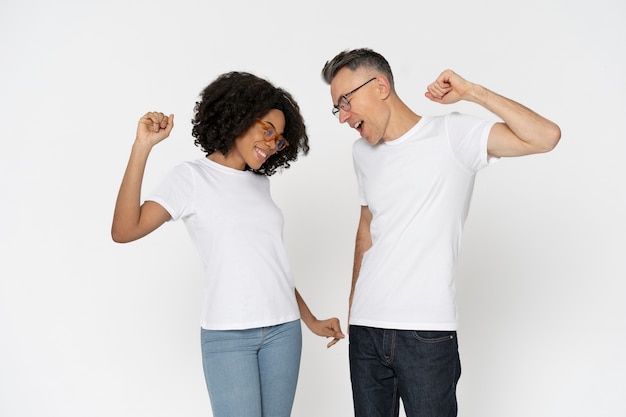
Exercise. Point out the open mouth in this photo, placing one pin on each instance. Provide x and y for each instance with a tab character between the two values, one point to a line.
263	154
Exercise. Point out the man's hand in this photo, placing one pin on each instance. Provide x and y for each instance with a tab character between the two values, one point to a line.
448	88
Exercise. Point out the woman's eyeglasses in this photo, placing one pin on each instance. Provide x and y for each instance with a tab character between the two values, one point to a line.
271	135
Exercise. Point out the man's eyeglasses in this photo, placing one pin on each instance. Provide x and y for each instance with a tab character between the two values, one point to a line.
344	103
271	135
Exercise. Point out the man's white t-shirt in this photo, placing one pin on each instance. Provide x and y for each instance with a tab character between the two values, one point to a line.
418	188
237	230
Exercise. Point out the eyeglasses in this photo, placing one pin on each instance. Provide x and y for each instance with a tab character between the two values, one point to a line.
344	103
271	135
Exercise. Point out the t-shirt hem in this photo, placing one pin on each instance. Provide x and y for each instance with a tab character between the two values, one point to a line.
165	205
447	326
249	325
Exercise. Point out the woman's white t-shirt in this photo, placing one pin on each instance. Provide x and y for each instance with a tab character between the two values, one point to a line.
237	230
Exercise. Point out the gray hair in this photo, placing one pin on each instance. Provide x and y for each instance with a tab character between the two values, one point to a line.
355	59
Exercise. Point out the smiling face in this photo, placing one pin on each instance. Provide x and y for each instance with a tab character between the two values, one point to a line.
251	149
366	112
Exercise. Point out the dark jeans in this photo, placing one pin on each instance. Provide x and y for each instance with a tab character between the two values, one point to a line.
420	367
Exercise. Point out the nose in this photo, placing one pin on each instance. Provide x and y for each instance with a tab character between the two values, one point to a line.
343	115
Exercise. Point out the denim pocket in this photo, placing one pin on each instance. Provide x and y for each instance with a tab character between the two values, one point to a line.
426	336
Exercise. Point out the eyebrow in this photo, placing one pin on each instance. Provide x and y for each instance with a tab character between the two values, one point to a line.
344	96
355	89
272	124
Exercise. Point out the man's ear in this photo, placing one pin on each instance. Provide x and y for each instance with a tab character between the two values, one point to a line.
383	86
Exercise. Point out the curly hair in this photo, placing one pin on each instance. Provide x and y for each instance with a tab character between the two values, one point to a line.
355	59
231	104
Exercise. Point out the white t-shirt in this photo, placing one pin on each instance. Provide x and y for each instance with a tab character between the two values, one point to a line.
418	188
237	230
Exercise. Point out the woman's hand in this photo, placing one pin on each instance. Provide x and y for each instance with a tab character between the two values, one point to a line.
327	328
153	127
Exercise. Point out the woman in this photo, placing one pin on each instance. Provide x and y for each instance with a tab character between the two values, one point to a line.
250	328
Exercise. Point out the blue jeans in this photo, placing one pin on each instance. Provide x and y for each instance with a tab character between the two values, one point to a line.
252	372
420	367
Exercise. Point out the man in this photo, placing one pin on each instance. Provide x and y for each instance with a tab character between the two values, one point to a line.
415	175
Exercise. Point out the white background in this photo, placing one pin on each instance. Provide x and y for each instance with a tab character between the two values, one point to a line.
93	328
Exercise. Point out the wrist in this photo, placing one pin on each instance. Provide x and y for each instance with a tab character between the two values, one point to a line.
142	145
477	94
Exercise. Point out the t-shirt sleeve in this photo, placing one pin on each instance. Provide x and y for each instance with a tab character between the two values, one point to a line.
468	136
175	192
